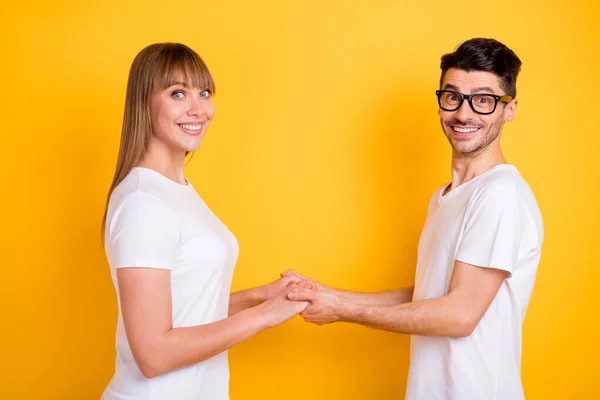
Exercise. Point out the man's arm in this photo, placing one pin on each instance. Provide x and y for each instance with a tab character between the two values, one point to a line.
392	297
472	290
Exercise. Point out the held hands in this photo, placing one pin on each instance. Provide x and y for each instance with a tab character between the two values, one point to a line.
324	305
274	288
294	294
293	274
277	306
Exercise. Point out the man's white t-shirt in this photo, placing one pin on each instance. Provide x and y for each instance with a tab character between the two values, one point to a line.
491	221
154	222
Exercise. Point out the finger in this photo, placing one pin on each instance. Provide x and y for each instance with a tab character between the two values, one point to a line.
305	320
304	283
288	272
302	295
291	283
310	320
308	285
291	287
290	280
305	305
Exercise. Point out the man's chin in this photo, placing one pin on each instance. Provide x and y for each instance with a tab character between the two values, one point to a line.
464	148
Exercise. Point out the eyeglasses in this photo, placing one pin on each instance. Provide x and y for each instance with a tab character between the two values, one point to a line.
481	103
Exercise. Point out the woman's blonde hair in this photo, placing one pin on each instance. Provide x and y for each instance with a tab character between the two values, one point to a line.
156	67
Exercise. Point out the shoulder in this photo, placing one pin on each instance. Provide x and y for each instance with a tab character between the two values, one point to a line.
504	181
504	187
138	200
140	180
139	205
143	187
141	216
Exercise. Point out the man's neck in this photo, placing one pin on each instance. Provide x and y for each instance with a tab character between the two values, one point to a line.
467	166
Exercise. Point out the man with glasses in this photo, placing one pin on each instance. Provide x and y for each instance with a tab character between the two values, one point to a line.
478	252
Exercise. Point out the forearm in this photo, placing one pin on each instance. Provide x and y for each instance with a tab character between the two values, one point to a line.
432	317
393	297
180	347
245	299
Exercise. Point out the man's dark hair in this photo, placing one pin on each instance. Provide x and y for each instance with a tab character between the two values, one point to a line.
485	55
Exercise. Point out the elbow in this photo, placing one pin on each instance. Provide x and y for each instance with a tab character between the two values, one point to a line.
464	327
149	370
462	332
150	362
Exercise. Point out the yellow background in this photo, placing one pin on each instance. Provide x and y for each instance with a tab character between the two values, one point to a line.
322	158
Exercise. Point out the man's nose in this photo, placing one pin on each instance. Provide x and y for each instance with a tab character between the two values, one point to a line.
464	112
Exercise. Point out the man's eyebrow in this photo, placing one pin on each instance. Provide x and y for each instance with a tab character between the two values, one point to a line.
448	86
484	89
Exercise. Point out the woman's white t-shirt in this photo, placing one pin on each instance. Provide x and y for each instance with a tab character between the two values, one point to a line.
154	222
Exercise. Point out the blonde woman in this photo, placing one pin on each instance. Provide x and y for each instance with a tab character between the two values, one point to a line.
170	257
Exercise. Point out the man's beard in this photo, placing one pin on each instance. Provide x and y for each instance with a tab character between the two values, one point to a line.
483	142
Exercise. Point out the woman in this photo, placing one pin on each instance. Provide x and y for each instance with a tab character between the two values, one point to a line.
171	259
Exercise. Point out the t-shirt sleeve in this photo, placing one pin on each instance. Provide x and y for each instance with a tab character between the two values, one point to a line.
492	230
143	232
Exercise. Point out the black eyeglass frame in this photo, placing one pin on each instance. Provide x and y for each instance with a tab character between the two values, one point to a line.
469	98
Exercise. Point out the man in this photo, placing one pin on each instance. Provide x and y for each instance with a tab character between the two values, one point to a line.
478	252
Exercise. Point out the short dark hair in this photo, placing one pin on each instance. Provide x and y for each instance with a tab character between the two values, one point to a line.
488	55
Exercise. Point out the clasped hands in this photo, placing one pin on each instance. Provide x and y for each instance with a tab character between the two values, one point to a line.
324	303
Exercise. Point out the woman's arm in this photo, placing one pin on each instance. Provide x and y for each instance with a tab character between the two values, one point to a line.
157	347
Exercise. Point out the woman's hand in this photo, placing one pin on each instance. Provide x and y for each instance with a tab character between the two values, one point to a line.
312	284
278	309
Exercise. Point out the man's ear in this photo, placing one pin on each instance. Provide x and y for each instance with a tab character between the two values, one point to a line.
510	112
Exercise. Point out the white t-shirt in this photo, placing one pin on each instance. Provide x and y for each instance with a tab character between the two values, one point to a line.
492	221
154	222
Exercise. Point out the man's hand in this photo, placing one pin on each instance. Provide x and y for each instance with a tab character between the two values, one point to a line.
300	277
324	307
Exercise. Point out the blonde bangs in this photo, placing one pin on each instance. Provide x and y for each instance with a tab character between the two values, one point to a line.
181	62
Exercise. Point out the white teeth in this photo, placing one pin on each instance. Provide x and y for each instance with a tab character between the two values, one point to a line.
191	127
465	130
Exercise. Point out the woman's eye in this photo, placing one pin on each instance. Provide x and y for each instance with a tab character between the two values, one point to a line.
177	95
205	93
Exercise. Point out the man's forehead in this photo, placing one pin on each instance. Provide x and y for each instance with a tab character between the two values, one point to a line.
471	80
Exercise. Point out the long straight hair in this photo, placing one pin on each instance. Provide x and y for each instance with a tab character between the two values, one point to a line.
153	69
